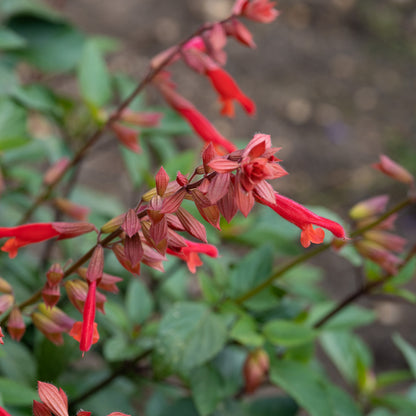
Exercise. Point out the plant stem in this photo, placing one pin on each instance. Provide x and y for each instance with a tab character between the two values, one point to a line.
124	368
367	288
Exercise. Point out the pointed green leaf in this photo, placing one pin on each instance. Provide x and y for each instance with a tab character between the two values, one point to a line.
93	76
287	333
189	335
408	351
207	389
139	302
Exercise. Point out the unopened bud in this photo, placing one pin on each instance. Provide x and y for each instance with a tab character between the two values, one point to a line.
96	264
5	286
55	274
51	294
394	170
15	325
149	195
56	171
113	224
162	181
131	224
6	302
76	211
255	369
369	207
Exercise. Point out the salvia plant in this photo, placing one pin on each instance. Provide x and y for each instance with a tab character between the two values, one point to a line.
159	308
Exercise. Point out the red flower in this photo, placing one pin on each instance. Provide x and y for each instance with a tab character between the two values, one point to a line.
254	165
86	332
23	235
229	91
304	219
197	121
190	253
1	336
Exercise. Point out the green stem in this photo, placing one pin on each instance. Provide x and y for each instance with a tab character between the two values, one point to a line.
124	368
367	288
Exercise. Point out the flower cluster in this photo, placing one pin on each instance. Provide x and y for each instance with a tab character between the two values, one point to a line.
221	185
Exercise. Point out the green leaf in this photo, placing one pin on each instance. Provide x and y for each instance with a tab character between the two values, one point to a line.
53	360
120	348
10	40
390	378
348	318
408	351
17	363
229	363
93	76
182	407
252	270
303	384
348	352
206	387
139	302
12	125
310	389
189	335
405	274
9	8
15	393
272	406
287	333
137	164
37	97
50	46
245	332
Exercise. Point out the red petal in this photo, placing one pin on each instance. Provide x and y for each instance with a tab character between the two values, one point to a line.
191	224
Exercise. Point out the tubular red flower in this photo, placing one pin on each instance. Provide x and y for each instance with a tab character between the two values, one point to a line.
189	254
303	218
197	121
86	331
23	235
229	91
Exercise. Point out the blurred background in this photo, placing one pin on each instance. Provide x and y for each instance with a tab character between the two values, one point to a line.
334	84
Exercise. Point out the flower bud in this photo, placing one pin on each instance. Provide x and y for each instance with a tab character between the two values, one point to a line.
255	369
51	294
15	325
369	207
113	224
55	171
5	286
394	170
6	302
75	211
55	274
